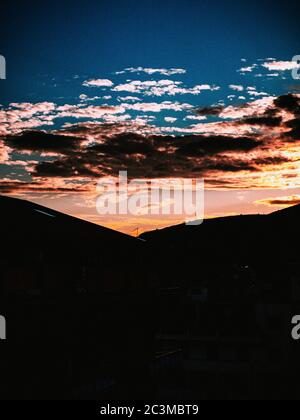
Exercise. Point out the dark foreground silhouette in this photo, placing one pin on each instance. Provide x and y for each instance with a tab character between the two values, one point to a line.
229	289
78	307
188	312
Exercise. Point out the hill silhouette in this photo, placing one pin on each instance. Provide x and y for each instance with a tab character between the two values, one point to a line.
77	312
24	215
234	238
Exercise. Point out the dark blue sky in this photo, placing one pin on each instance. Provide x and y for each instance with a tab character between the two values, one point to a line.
114	71
63	38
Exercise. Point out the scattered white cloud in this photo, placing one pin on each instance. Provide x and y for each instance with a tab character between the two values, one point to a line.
256	94
86	98
252	91
195	118
151	71
162	88
170	120
281	65
247	69
238	88
257	107
98	83
158	107
129	99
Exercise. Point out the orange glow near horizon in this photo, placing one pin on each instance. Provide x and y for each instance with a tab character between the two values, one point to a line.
217	204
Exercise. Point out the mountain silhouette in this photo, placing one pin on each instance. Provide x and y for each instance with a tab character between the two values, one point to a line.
25	216
78	315
235	238
186	255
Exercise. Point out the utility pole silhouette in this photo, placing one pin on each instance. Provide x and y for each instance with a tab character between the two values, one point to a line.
137	232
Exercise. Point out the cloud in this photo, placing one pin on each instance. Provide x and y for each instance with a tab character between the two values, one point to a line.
237	88
195	117
162	88
247	69
4	152
266	120
98	83
294	125
42	142
255	118
151	71
290	102
151	156
281	65
26	116
254	145
254	93
95	112
128	99
210	111
170	120
275	68
86	98
257	107
43	186
158	107
280	201
203	146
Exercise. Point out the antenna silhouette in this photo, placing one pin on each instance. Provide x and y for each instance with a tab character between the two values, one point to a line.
137	232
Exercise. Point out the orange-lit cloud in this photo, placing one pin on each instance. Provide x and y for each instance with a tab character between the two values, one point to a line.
286	201
255	146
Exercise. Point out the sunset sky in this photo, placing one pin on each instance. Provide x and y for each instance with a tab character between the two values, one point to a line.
160	88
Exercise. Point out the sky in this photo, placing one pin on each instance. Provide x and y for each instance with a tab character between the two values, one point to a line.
163	89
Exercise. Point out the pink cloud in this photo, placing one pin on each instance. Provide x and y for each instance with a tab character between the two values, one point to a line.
88	112
158	107
257	107
162	87
150	71
281	65
237	88
4	153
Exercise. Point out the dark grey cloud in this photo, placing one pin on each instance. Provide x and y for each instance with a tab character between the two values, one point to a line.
39	141
9	187
113	148
294	125
267	121
210	110
289	103
153	156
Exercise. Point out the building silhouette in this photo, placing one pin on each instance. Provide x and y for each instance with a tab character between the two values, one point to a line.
187	312
78	312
